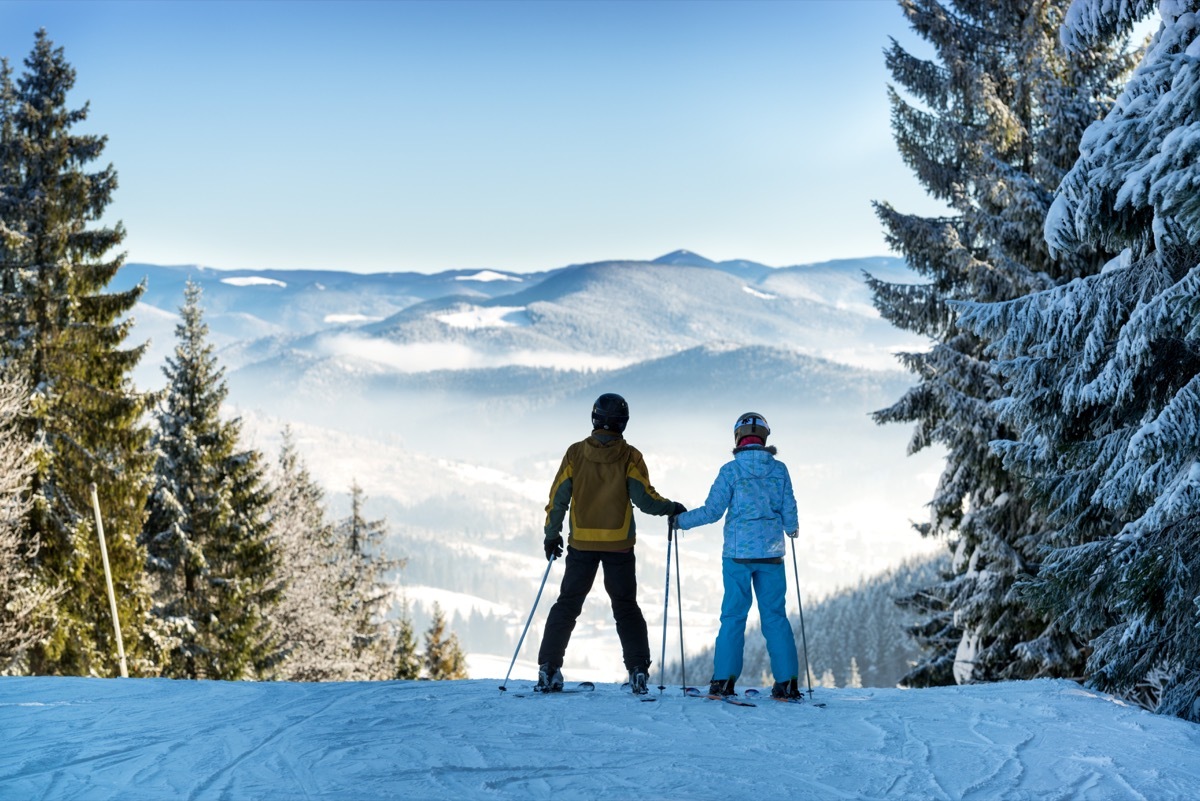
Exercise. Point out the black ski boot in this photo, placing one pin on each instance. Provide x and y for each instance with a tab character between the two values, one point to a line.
721	687
786	691
550	679
638	677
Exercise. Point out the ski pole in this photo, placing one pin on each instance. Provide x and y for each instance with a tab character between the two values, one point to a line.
542	586
679	603
662	661
800	604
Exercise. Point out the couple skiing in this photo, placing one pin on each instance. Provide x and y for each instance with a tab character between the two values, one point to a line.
600	480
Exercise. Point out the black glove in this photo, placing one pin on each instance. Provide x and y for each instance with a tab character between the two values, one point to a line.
553	547
678	510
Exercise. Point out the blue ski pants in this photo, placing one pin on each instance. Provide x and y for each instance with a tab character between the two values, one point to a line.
769	585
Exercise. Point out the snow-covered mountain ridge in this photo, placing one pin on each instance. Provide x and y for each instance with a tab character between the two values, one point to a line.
132	739
614	312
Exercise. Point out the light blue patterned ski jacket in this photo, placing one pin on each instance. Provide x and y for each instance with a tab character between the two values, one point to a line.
756	490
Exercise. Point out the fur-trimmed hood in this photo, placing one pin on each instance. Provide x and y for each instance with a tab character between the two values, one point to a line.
771	449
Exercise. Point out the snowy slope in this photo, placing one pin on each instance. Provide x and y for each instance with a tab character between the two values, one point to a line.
69	738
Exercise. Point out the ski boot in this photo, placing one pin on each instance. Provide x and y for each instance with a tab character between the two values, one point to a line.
721	688
550	679
638	677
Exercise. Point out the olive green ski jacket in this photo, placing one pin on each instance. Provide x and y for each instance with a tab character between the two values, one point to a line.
600	481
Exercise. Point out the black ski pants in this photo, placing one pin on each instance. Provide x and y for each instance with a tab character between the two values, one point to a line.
620	582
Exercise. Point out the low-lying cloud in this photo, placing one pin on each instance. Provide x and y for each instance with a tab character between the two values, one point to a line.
421	357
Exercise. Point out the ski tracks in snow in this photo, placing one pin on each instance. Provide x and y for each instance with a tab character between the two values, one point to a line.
152	739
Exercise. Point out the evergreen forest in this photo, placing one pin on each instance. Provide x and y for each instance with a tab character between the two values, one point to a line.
222	562
1060	301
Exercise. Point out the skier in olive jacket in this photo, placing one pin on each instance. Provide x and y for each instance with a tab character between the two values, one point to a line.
600	480
754	492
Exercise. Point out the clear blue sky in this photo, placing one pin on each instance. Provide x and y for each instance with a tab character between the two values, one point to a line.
378	136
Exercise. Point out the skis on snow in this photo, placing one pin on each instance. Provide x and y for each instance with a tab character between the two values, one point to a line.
690	692
695	692
581	687
755	693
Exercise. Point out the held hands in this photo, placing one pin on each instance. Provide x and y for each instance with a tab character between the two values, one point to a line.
794	534
675	512
553	547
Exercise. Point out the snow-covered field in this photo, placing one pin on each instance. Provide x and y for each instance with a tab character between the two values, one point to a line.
73	738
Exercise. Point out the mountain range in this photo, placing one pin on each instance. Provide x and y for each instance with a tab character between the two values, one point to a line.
450	397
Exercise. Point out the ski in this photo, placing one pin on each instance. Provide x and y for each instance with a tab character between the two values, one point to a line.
581	687
693	692
755	693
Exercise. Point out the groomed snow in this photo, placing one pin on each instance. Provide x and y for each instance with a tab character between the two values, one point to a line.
130	739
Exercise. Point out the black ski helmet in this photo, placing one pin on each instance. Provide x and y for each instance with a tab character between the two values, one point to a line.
751	424
610	412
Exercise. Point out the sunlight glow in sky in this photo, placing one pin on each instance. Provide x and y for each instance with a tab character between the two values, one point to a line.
424	136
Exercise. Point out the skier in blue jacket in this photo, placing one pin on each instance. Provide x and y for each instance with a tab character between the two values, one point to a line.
754	492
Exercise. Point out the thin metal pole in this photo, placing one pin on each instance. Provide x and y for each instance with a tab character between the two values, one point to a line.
662	661
112	596
679	603
542	586
800	604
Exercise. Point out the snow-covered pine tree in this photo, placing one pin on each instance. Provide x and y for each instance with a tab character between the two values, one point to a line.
311	629
406	659
65	335
444	658
1104	375
208	533
22	596
366	594
990	129
11	238
854	680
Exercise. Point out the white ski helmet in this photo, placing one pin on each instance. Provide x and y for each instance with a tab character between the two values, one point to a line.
751	424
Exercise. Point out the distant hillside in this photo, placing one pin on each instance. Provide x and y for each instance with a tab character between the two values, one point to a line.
586	316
